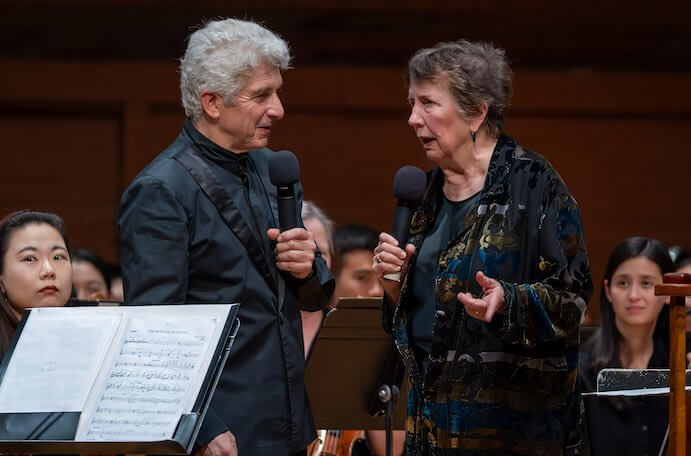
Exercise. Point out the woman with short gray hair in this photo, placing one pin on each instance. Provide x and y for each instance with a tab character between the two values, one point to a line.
495	278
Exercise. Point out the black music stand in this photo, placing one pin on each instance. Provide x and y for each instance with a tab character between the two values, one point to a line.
353	371
55	430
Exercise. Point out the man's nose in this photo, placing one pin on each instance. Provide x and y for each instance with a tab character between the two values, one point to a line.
376	290
276	109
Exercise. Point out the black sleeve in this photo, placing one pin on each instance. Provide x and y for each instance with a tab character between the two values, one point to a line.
315	291
153	244
211	427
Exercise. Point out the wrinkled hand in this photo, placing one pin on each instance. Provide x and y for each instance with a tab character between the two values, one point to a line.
295	251
222	445
491	302
389	258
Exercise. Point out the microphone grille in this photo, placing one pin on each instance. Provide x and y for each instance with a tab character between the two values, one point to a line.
283	168
409	183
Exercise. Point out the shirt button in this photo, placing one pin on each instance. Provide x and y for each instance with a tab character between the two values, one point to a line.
645	428
440	313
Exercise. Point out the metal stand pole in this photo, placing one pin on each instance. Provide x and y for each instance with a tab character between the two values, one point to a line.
388	396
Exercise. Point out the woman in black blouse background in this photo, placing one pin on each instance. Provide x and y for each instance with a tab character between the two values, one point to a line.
633	335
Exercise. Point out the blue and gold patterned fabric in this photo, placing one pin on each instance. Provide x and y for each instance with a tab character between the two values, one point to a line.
509	386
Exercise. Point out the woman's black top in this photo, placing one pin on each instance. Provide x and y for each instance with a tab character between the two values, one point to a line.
626	426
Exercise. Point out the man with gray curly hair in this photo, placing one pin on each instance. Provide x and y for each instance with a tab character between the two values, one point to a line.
197	226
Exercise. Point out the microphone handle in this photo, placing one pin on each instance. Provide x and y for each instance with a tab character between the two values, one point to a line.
287	211
401	224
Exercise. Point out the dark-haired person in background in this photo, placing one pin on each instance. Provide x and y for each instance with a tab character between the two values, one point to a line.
355	244
117	290
496	277
355	277
176	247
633	335
90	275
35	268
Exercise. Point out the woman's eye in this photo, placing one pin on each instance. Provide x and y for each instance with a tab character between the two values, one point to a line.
622	283
29	259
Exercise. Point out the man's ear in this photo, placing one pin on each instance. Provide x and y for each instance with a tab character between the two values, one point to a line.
211	105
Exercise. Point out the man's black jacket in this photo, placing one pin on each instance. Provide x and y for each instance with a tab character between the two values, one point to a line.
176	248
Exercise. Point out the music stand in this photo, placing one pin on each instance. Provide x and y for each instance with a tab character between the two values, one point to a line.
347	366
156	346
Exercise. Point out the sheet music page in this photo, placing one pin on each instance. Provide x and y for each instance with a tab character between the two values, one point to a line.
56	361
149	380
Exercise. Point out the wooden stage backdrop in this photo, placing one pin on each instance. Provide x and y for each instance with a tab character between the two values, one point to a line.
76	128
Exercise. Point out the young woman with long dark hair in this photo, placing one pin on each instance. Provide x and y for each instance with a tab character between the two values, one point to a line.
634	335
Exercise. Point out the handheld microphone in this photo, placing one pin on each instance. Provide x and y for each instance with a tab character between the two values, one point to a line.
284	172
409	187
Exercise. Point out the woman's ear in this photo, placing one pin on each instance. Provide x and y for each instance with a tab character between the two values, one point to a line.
478	120
607	292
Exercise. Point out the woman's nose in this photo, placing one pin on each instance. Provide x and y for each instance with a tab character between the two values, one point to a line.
414	120
47	270
634	293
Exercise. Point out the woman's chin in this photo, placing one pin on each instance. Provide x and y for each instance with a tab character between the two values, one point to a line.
434	155
52	301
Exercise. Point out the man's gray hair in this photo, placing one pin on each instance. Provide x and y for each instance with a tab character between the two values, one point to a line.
311	210
220	57
476	72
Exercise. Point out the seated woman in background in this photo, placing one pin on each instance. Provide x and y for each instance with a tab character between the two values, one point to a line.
35	268
90	275
633	335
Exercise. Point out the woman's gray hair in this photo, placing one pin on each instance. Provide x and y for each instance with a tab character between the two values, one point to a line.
311	210
477	73
220	57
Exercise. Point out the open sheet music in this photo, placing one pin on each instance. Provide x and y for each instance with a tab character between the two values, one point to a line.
131	372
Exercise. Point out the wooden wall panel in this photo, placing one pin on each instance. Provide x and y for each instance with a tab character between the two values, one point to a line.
67	164
624	173
617	138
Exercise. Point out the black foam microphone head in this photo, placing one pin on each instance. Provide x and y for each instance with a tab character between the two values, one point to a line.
409	183
283	168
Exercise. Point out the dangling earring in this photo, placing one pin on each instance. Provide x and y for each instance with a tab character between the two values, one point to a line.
472	134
